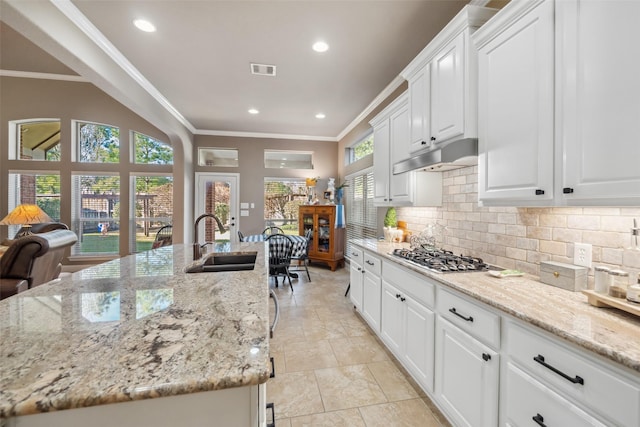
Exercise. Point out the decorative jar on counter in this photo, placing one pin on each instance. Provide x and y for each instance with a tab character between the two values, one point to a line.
619	283
601	279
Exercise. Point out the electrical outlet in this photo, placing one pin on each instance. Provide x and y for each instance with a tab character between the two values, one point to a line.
582	254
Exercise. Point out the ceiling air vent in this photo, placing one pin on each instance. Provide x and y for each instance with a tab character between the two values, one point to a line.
263	69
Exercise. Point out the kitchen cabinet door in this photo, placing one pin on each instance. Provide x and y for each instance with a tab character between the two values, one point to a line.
371	293
467	374
356	276
599	64
400	186
419	342
516	109
391	321
381	169
419	109
447	91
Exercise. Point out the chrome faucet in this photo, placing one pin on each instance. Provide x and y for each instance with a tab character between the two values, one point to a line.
197	249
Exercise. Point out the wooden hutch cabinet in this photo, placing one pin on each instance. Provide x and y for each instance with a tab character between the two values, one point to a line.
327	242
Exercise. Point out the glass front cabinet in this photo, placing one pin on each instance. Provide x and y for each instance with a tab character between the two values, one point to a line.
327	242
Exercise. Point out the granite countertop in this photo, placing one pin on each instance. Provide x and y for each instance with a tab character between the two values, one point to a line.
134	328
608	332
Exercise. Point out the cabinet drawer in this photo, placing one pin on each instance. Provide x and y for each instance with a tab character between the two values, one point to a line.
372	264
356	255
324	211
470	317
526	400
591	383
419	287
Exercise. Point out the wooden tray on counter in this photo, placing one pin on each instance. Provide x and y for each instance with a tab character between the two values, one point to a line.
602	300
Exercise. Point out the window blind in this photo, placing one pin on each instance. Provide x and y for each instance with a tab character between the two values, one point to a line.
360	211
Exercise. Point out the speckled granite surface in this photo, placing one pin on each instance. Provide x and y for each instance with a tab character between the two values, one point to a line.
611	333
134	328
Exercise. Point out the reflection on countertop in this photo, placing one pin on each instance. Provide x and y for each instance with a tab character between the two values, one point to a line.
133	328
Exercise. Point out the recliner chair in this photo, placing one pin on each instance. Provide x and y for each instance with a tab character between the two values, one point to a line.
43	227
33	260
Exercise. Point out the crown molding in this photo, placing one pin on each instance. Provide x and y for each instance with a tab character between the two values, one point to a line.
42	76
265	135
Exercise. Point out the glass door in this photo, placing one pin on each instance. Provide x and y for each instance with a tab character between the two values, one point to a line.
324	232
217	194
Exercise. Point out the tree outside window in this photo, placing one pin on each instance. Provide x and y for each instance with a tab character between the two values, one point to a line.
282	198
98	143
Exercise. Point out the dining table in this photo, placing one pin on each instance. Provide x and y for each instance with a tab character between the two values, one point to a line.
299	243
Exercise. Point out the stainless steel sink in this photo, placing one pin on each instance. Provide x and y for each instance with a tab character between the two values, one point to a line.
226	261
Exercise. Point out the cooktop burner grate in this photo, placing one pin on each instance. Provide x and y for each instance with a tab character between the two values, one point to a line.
441	261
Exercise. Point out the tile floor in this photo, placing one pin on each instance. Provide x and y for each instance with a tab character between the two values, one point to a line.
331	370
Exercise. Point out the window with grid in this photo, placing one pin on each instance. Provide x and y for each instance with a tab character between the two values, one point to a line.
95	214
42	189
282	198
361	213
153	209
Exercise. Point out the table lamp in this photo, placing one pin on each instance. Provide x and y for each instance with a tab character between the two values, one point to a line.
25	215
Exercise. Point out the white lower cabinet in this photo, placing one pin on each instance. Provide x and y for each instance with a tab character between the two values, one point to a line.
371	291
594	386
529	403
467	377
408	330
356	278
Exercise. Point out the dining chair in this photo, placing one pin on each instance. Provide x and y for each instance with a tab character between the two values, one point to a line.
304	256
240	236
164	237
280	250
272	229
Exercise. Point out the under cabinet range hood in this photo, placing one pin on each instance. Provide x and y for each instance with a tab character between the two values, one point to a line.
452	155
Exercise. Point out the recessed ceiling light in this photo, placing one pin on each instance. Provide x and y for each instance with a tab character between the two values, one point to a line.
253	111
320	116
320	46
144	25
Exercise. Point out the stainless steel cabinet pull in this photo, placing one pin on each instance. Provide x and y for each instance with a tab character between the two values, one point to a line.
453	310
539	419
576	380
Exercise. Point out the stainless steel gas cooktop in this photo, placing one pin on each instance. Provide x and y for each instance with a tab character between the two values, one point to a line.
441	261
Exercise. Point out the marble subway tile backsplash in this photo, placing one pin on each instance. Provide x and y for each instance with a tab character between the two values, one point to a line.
520	238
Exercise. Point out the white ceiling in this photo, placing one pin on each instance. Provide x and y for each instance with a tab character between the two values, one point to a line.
198	59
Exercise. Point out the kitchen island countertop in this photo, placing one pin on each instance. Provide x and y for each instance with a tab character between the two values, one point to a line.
610	333
134	328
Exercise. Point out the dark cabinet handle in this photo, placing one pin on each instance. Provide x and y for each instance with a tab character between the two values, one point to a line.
403	299
354	254
576	380
271	407
433	138
539	192
397	296
273	368
486	357
567	190
363	272
424	142
453	310
359	269
369	262
539	419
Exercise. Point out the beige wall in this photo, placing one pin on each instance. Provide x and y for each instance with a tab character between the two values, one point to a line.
252	170
522	237
24	98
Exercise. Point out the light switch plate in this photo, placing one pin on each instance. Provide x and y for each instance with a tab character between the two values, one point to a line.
582	254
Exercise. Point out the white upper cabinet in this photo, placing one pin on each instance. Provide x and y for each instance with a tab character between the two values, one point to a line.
447	94
391	144
558	104
442	83
599	102
515	108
